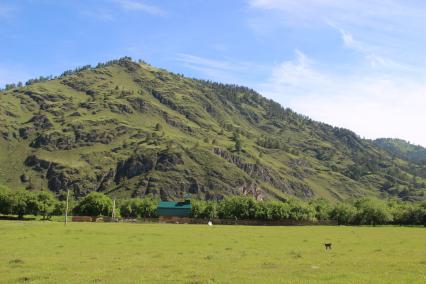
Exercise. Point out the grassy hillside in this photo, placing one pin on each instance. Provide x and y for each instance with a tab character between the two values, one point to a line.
130	129
403	149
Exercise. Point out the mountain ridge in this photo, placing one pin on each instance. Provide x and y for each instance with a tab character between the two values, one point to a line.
129	129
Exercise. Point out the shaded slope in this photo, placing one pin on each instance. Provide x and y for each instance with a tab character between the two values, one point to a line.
403	149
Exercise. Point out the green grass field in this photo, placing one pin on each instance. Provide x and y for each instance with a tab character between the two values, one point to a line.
49	252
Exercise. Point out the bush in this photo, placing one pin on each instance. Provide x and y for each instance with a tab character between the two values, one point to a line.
45	203
343	213
372	212
322	208
204	210
262	211
197	208
279	210
139	208
237	207
23	203
414	215
302	211
94	204
128	208
5	201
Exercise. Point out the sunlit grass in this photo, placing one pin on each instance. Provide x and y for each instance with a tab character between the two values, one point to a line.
49	252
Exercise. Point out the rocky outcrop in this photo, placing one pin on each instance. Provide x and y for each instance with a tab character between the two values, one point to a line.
134	166
177	123
54	141
120	108
38	123
137	103
144	163
59	178
252	190
167	160
262	174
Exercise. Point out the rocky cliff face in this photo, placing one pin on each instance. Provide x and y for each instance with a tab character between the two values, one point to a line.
129	129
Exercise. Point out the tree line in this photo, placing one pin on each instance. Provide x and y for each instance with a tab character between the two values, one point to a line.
362	211
66	73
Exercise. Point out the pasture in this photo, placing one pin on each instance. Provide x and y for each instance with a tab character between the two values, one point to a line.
49	252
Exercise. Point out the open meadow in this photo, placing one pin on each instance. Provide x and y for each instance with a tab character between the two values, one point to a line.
49	252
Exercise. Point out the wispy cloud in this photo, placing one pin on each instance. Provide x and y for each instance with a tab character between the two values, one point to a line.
225	70
386	24
373	106
100	14
137	5
381	91
7	10
370	52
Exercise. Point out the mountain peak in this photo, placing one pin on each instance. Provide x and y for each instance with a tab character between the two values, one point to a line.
129	129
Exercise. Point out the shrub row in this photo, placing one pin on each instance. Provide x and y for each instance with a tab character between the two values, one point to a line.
364	211
22	203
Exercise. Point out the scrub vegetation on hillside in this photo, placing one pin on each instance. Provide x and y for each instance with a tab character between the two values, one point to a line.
127	129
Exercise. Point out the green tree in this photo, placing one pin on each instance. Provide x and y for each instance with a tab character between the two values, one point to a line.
237	207
204	209
158	127
128	208
343	213
5	201
279	210
322	208
148	207
372	212
94	204
301	211
23	203
139	208
237	145
46	203
236	138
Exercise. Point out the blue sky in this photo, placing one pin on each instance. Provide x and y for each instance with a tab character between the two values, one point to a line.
354	64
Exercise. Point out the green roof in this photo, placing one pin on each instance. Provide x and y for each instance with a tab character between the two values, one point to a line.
170	208
174	205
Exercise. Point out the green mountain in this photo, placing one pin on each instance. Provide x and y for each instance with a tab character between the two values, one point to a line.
129	129
403	149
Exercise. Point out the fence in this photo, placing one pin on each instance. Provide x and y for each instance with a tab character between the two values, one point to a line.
187	220
183	220
93	219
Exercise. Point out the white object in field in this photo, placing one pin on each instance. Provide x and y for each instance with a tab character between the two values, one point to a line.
210	223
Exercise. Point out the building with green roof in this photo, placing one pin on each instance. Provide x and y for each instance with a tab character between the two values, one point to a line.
174	209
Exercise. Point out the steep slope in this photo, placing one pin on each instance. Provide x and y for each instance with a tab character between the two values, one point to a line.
129	129
403	149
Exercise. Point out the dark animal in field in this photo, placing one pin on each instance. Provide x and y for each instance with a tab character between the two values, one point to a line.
327	246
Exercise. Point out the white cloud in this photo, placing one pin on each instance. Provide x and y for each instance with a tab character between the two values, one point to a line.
6	10
369	52
373	106
224	70
101	15
376	87
385	27
137	5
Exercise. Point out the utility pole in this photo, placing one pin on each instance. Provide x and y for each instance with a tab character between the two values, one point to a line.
66	207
